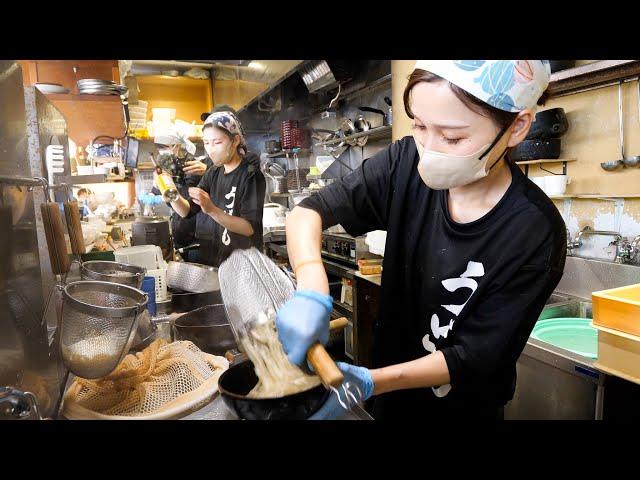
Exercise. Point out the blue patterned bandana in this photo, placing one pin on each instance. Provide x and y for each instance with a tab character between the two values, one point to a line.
230	123
510	85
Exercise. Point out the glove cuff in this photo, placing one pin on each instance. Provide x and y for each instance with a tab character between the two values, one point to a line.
325	300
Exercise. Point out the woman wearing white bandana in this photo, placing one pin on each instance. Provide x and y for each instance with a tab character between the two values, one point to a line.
473	251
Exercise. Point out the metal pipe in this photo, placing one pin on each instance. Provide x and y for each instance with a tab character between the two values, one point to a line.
596	87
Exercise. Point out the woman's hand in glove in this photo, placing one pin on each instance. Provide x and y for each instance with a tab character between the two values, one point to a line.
358	382
303	321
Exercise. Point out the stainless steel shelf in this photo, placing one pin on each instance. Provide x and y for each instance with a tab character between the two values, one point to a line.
85	179
374	133
285	153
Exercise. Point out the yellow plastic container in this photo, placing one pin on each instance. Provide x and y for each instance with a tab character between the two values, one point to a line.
618	354
618	308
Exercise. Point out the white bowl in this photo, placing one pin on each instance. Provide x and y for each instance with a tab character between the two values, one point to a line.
51	88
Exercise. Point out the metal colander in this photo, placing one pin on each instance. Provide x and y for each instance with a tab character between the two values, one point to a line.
192	277
99	321
252	284
115	272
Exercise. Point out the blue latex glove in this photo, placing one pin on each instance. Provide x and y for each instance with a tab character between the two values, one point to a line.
303	321
359	377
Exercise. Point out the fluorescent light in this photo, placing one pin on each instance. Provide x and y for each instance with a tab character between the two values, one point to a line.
256	65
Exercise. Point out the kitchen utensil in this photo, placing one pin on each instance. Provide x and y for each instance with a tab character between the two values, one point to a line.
630	161
389	115
612	165
152	231
361	124
192	277
99	321
556	184
548	148
252	285
550	123
348	128
240	379
76	237
54	232
208	328
51	88
375	110
188	301
149	287
114	272
273	215
138	388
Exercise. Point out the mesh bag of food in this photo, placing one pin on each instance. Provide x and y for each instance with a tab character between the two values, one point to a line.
162	381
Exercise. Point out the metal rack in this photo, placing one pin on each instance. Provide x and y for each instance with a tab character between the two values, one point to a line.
373	133
286	153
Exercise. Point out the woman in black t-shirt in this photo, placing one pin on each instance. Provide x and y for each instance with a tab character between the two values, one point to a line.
228	200
473	248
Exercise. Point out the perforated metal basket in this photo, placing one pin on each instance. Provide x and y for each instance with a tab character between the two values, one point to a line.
114	272
99	321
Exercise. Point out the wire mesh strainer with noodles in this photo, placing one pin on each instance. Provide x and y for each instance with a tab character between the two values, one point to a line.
253	289
162	381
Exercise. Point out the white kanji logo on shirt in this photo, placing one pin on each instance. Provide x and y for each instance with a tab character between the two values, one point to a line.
226	239
474	269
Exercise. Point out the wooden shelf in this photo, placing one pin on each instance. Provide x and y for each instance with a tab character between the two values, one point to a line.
597	74
71	97
544	160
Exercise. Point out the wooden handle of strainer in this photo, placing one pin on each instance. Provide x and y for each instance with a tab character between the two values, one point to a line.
322	363
324	366
338	324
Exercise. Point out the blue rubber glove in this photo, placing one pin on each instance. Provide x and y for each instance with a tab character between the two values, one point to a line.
359	377
303	321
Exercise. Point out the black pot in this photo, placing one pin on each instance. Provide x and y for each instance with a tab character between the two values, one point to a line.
188	301
536	149
208	328
557	65
235	383
550	123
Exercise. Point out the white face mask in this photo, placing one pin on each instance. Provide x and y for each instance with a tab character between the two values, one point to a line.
441	171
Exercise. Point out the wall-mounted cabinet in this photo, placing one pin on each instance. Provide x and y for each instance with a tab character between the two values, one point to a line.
68	72
87	116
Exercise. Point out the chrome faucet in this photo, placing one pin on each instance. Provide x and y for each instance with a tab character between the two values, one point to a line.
623	249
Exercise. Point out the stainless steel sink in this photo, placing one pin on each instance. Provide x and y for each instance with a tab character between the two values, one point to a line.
554	383
571	307
557	298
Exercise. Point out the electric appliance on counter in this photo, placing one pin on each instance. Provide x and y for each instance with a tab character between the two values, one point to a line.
344	247
153	231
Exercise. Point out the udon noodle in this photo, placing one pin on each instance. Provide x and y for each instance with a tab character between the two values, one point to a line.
277	376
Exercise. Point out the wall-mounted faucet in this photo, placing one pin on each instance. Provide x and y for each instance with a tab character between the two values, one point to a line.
625	251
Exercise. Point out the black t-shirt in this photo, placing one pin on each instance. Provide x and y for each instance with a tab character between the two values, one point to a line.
473	291
239	193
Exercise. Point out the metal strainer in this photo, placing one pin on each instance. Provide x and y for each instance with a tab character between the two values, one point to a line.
116	272
99	321
253	288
